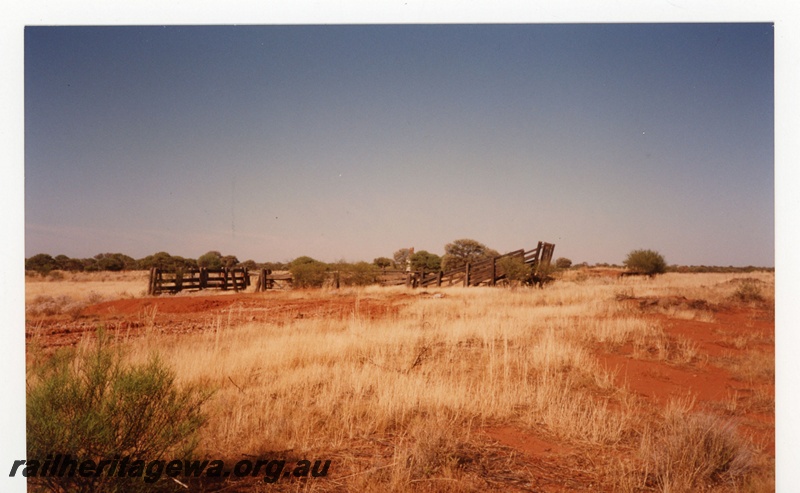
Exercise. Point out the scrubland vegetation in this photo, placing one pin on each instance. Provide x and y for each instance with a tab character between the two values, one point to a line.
401	399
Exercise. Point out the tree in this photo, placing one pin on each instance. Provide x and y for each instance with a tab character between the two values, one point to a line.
210	260
459	252
70	264
229	261
422	260
179	263
90	265
383	262
274	265
114	261
648	262
249	265
111	263
160	260
563	263
307	272
401	257
41	263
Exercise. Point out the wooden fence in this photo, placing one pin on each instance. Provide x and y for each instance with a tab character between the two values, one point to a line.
162	281
269	280
485	272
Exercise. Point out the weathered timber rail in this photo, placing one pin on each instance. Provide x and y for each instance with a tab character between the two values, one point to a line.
162	281
269	280
485	272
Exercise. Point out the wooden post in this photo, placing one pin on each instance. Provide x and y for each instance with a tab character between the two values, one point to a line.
439	279
494	272
178	281
203	278
224	278
408	279
151	287
336	279
466	275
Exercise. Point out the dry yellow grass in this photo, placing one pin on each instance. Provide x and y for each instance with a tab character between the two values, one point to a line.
86	286
428	378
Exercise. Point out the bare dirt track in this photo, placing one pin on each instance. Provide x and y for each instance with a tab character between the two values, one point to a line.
727	370
183	314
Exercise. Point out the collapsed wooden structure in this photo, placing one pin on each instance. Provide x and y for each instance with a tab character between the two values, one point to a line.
487	272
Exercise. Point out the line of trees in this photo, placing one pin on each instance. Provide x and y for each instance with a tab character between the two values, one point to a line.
310	271
44	263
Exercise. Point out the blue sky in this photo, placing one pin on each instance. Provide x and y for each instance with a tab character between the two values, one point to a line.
352	141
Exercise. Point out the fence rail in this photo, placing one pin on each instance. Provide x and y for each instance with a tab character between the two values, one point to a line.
162	281
269	280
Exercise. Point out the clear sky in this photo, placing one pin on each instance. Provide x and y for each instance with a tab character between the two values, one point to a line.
352	141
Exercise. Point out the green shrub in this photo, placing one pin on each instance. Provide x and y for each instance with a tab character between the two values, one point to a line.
383	262
647	262
357	274
210	260
514	268
307	272
89	404
423	260
563	263
41	263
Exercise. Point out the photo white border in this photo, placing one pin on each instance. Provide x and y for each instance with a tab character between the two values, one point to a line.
19	13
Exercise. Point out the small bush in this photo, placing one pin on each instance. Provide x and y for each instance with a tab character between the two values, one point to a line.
563	263
358	274
514	268
49	306
694	451
648	262
87	403
307	272
748	291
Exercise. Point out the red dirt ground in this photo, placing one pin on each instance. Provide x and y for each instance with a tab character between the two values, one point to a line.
181	314
736	333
